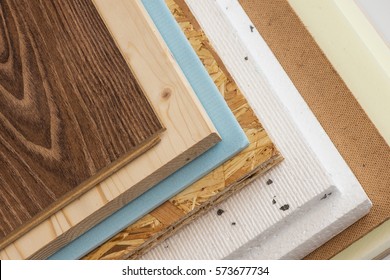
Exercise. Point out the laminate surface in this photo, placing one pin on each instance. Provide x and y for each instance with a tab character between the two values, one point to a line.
189	133
233	137
71	110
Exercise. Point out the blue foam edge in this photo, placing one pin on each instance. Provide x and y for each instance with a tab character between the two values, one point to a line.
233	141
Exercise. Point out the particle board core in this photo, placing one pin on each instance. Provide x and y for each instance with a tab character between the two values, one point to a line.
234	140
71	110
259	210
215	187
189	133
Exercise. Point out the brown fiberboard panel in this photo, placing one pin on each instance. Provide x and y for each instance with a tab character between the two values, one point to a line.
215	187
345	122
71	110
188	134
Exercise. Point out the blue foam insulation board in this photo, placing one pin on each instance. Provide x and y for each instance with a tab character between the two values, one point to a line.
233	141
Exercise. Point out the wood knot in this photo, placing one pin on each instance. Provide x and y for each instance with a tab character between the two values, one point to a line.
166	93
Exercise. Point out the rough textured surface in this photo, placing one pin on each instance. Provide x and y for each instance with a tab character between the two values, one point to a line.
234	140
335	107
70	107
213	188
301	180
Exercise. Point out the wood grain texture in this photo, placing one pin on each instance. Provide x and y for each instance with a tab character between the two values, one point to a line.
189	133
215	187
70	108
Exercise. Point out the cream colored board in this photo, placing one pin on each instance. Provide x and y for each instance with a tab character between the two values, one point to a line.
377	13
356	51
189	133
361	24
374	245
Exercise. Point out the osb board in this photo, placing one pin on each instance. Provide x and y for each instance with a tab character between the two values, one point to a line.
61	131
300	184
213	188
189	133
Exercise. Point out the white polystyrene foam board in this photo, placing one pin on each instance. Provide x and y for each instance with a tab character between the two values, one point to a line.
261	230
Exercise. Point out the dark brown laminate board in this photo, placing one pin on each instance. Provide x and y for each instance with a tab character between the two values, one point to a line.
71	111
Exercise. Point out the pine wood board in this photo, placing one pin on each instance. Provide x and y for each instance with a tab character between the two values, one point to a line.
234	140
254	161
189	133
59	133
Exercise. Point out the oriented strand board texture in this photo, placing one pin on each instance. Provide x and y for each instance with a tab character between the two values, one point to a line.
71	110
311	170
349	128
214	187
234	140
189	133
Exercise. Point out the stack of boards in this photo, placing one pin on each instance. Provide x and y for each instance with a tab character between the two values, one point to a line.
96	111
89	121
184	136
278	44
